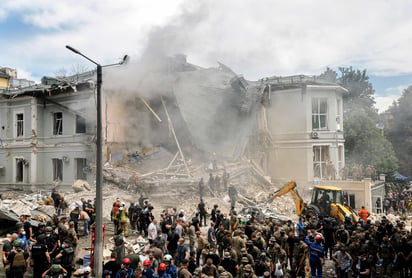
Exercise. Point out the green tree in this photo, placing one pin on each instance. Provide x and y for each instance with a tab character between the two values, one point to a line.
360	90
399	130
365	145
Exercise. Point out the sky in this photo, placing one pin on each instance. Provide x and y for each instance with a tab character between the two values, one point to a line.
256	38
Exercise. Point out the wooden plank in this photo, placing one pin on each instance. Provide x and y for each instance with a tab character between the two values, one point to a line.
175	137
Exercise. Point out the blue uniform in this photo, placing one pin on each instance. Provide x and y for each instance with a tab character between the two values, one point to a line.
316	253
171	270
125	273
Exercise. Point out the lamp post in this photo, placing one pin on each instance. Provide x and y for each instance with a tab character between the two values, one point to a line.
98	241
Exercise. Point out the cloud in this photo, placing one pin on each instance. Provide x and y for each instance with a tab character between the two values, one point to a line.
383	103
391	95
255	38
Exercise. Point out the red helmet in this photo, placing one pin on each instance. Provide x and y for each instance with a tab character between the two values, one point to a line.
147	262
126	261
162	267
318	238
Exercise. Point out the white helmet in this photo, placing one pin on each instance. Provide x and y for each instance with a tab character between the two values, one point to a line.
168	258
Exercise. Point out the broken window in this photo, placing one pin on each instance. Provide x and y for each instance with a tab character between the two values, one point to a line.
81	167
19	125
19	170
58	123
80	124
319	113
320	159
57	169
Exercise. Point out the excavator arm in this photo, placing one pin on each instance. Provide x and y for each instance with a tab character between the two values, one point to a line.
290	187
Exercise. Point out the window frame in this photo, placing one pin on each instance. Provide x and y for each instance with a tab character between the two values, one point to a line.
318	115
16	124
324	152
83	174
56	164
78	123
57	130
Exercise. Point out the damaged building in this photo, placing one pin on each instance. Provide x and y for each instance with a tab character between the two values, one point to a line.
286	127
47	133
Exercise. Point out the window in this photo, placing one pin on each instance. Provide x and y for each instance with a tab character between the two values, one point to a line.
19	169
320	161
19	125
57	169
80	124
319	114
81	169
58	123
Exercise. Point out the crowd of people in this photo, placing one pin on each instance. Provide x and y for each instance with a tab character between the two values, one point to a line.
394	203
226	246
216	243
49	249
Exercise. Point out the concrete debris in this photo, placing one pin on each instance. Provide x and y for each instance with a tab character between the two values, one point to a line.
81	185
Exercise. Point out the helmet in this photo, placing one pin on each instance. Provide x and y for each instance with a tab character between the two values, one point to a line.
55	268
162	267
168	258
41	238
247	268
147	262
126	261
17	243
318	238
48	229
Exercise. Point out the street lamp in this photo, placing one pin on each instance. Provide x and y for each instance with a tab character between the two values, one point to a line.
98	241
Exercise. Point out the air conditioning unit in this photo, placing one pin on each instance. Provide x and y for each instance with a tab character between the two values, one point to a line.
65	158
314	135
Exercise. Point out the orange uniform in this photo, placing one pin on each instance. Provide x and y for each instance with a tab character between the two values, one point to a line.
364	214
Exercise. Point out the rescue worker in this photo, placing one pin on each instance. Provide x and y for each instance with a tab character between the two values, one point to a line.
162	271
248	272
202	212
147	271
316	256
364	214
39	257
125	271
122	220
229	264
18	260
299	257
54	271
113	214
65	256
170	268
279	256
209	269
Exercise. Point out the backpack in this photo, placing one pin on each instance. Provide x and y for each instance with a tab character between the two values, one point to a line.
19	260
123	273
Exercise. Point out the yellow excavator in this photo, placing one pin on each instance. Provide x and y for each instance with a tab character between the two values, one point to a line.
326	201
